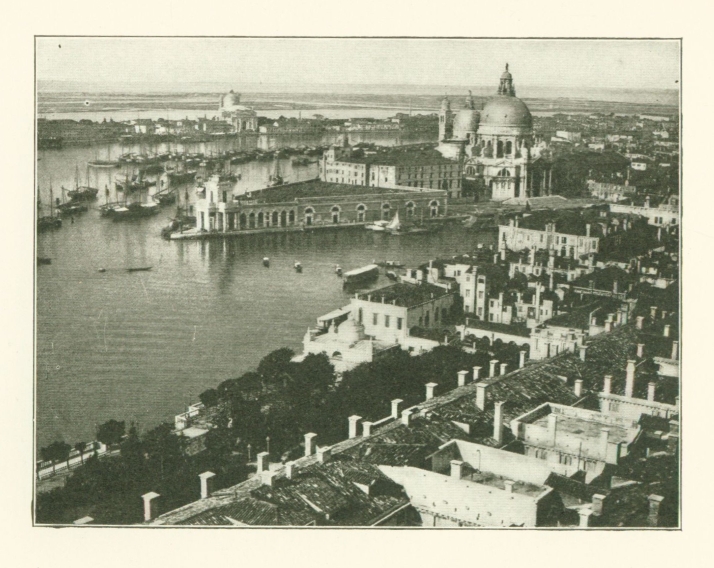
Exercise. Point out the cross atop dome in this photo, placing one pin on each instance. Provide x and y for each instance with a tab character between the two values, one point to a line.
506	85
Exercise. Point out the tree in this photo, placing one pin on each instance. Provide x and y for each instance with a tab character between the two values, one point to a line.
209	397
56	452
79	446
164	449
275	365
111	432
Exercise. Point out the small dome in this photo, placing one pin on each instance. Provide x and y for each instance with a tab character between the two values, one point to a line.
466	120
350	331
506	111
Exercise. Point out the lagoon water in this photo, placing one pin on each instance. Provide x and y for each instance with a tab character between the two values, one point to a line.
141	346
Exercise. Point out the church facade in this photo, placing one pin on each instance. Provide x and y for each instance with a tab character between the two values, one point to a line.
496	144
243	118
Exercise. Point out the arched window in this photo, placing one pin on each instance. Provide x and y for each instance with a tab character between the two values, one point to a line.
410	209
260	219
251	220
291	217
434	208
470	170
386	211
274	219
499	149
504	173
361	213
335	211
243	221
509	148
283	218
309	211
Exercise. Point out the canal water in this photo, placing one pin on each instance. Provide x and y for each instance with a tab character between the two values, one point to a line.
140	346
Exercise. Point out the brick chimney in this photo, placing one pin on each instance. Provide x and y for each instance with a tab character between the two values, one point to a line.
206	483
666	330
598	503
503	368
498	422
148	498
508	485
396	404
522	359
630	378
430	388
353	422
607	384
578	388
604	440
457	469
481	395
653	312
263	459
640	350
552	428
366	429
639	321
324	454
675	350
310	443
655	504
407	416
492	367
582	351
585	517
476	370
290	469
651	391
463	378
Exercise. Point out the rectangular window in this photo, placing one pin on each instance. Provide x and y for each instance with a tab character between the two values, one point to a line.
480	294
374	319
399	323
386	321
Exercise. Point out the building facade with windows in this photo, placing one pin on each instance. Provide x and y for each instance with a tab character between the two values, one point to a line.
243	118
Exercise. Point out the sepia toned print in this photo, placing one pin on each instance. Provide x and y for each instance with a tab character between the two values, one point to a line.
357	283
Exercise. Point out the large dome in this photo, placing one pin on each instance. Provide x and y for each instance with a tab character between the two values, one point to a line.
466	120
506	111
350	331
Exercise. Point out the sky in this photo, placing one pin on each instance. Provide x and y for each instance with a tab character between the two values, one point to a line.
615	64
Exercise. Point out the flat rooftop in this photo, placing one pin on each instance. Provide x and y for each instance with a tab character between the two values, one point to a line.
586	429
497	481
314	188
400	157
404	294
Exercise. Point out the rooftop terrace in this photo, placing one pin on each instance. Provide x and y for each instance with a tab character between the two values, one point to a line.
404	294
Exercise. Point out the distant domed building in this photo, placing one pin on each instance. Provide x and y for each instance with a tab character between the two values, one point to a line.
242	117
496	145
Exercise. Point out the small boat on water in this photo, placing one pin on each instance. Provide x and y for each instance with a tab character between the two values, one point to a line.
379	226
359	275
135	211
390	264
297	266
338	270
44	260
392	275
138	269
266	261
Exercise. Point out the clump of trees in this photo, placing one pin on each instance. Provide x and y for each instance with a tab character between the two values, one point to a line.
269	409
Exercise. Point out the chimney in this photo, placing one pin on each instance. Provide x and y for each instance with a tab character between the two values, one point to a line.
522	360
587	229
366	429
498	422
148	498
625	316
353	422
651	391
666	330
263	461
310	443
582	350
268	477
675	350
630	379
492	368
481	395
653	312
604	437
206	483
406	416
503	254
430	387
608	326
290	469
598	503
457	469
324	454
585	517
552	427
614	287
578	388
640	350
607	384
477	370
655	504
396	403
664	314
508	485
640	321
463	377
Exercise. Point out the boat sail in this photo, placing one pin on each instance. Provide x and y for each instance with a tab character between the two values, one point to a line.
394	224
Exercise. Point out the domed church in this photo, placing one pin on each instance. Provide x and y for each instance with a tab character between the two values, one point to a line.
242	117
496	145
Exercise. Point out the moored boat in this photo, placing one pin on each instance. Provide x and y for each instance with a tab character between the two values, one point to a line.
359	275
377	226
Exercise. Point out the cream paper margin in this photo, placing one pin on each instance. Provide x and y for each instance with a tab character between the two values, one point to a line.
22	545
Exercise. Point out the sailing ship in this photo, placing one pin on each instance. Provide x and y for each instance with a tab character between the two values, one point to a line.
276	178
51	221
82	193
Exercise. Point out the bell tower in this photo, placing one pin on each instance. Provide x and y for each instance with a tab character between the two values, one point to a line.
506	87
446	119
